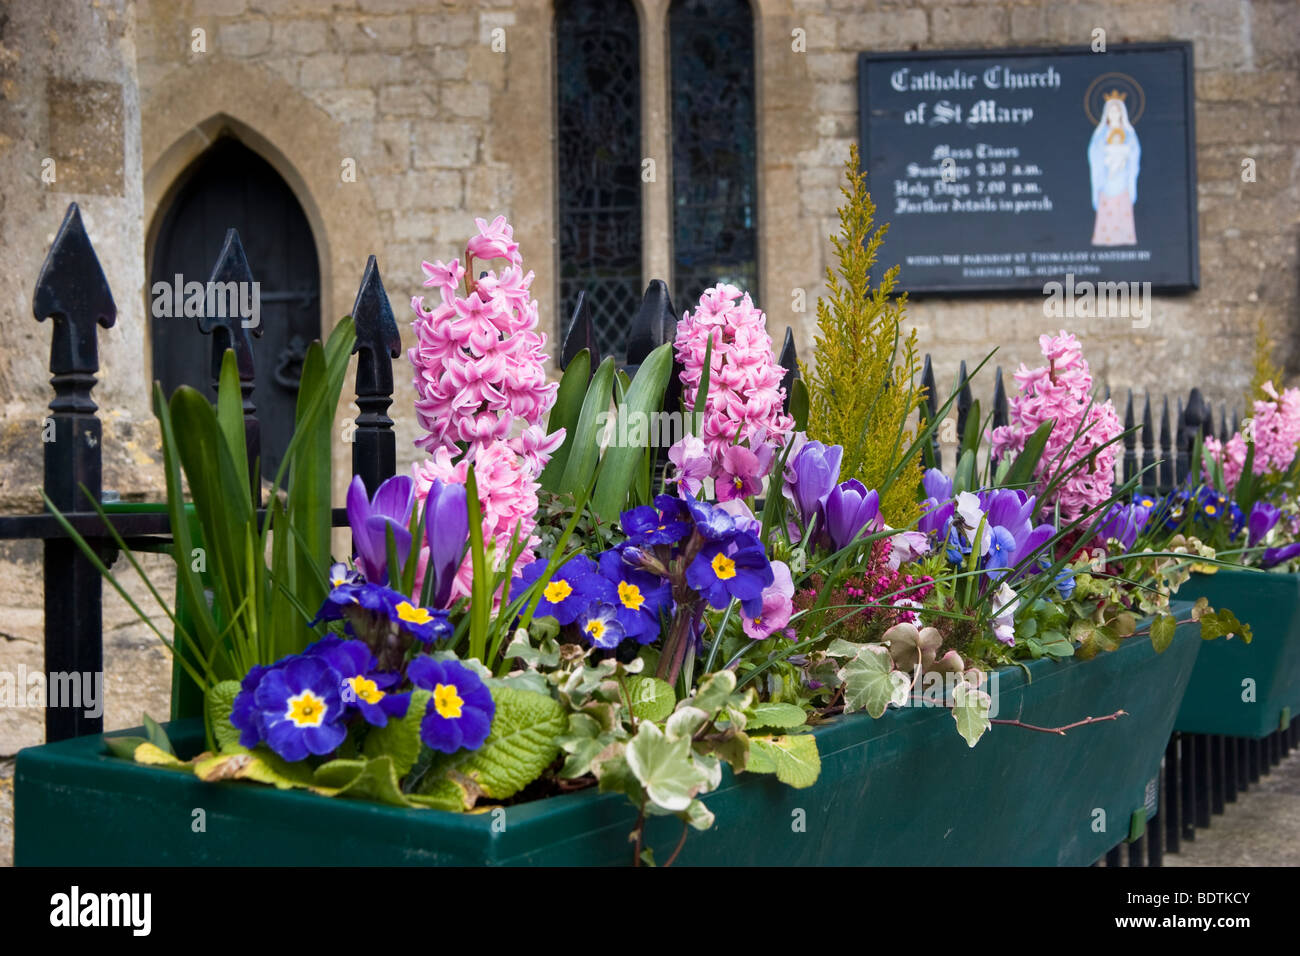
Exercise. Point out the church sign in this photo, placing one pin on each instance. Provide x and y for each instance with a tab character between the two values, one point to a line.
1009	170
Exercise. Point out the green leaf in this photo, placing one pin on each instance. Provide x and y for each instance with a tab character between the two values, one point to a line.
585	454
970	709
374	779
799	405
260	765
156	735
867	682
652	699
124	747
964	477
564	414
1223	623
519	747
220	701
713	691
664	768
1021	473
645	399
1162	632
155	756
793	758
399	739
776	715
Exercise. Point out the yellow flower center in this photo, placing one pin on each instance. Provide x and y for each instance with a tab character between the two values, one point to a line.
366	689
630	595
723	567
738	482
446	701
306	710
1211	509
557	591
411	614
338	580
596	629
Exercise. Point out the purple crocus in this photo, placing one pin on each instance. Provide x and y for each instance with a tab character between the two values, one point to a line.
849	508
1263	516
1123	523
810	476
937	508
1275	556
371	518
446	529
1009	515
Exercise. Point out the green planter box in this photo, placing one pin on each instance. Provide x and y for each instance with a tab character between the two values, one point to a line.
1219	697
901	790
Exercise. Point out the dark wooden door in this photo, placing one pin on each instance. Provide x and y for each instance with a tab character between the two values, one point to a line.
230	185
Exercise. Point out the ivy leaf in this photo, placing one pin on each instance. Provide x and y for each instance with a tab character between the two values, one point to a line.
714	691
685	721
664	768
652	699
776	715
519	747
1162	632
970	709
793	758
400	737
867	682
1223	623
220	701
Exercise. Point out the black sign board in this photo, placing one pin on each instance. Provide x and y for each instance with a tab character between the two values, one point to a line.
1003	170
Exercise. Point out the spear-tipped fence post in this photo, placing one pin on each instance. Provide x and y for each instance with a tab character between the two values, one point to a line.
72	292
374	445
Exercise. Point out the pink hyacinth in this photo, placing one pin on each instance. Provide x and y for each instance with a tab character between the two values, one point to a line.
744	406
482	395
1061	390
507	494
479	360
1275	427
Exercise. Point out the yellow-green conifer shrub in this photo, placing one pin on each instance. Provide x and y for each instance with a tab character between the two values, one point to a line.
862	381
1265	369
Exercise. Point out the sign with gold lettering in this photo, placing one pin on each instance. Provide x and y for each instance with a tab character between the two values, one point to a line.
1007	170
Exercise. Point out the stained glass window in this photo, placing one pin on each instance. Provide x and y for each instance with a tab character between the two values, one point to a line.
715	188
598	143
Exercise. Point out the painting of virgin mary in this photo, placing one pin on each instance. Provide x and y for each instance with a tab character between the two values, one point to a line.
1114	154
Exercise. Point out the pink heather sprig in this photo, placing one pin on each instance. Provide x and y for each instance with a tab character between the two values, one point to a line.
1276	430
1061	390
479	360
745	397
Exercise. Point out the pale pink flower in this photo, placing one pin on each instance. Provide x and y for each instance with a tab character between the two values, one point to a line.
744	402
1061	390
494	241
691	464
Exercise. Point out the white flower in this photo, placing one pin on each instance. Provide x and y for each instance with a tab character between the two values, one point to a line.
968	509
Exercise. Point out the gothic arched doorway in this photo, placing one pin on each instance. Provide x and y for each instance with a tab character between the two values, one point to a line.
229	185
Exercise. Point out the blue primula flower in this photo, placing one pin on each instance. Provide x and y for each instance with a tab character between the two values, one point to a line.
1002	545
299	707
573	586
600	625
1065	584
640	596
461	710
244	715
364	686
713	523
666	523
732	569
